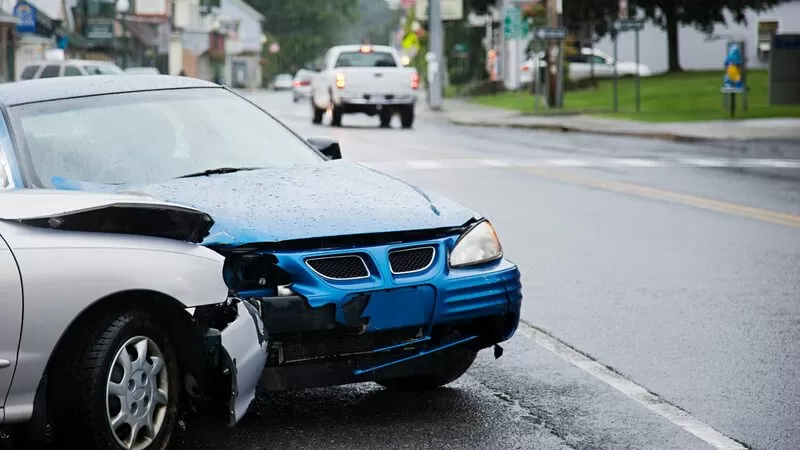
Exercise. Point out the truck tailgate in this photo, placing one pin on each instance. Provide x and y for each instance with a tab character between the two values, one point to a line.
377	80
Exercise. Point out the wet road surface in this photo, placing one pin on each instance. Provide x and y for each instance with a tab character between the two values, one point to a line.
677	265
662	307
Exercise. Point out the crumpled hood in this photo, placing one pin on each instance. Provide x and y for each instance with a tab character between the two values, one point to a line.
278	204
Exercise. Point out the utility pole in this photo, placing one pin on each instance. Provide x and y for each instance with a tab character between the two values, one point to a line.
436	48
554	8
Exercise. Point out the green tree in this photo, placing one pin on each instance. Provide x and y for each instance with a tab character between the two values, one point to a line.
304	29
702	14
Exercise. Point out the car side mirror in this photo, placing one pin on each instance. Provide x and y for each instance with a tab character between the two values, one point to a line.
327	147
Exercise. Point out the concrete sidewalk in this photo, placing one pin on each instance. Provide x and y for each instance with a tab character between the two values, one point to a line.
461	112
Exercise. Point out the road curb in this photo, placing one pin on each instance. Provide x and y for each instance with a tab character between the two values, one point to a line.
573	129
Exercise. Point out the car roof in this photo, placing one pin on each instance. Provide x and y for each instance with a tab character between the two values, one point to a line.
72	61
45	89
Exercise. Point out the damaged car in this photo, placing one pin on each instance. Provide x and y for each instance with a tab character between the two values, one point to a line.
113	316
356	275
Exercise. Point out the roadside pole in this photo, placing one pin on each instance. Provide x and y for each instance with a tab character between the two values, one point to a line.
615	36
437	49
552	67
537	74
638	74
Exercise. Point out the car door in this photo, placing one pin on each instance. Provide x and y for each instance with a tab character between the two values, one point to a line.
10	319
602	67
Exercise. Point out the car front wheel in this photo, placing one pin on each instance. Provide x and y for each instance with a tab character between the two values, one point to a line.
117	386
452	364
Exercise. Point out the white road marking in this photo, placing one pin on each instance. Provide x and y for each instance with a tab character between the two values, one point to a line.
700	162
425	164
639	394
565	163
462	163
630	162
495	163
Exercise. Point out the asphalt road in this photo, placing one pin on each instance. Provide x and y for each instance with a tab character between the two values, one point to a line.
662	305
677	265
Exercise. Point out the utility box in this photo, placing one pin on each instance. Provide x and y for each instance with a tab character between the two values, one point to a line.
784	70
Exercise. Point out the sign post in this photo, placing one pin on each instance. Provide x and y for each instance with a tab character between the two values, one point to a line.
621	26
733	81
555	89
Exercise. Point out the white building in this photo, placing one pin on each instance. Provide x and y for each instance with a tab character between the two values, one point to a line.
241	26
698	51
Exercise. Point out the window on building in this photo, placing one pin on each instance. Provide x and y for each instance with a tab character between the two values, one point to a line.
71	71
95	8
50	72
29	72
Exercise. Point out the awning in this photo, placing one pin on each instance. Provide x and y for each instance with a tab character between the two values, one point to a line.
8	18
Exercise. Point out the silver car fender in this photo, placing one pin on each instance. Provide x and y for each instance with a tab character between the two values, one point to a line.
64	272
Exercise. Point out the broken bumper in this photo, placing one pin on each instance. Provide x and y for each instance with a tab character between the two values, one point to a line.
388	315
244	354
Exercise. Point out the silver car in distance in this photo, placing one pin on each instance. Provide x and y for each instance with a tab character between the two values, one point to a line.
112	315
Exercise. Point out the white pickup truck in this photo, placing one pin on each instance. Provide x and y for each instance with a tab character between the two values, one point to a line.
366	79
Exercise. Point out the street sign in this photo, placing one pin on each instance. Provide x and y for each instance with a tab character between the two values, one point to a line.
26	14
513	25
629	25
451	9
551	33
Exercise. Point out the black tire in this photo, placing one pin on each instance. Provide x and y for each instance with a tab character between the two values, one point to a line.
453	363
407	116
78	380
318	113
336	116
385	117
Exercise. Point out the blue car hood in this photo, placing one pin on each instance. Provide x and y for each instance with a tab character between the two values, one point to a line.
299	202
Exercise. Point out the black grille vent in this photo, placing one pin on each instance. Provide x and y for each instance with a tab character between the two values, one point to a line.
348	267
411	260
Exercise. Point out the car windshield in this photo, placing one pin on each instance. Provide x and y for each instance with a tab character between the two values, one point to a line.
366	59
147	137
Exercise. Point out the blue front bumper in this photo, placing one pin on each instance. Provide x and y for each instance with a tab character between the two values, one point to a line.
382	302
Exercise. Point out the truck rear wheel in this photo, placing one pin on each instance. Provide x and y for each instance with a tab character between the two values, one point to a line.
452	365
318	113
407	116
386	118
336	116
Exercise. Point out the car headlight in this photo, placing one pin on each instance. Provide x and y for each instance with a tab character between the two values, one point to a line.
478	245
